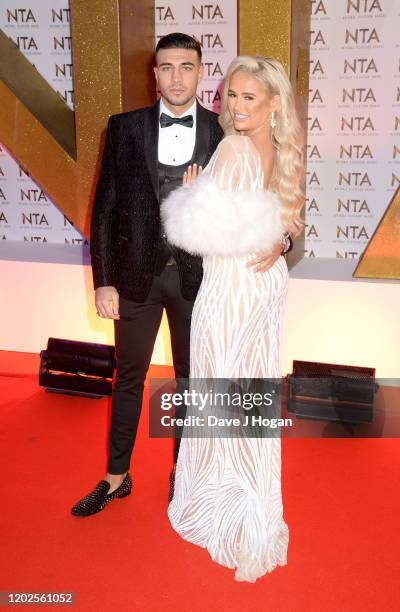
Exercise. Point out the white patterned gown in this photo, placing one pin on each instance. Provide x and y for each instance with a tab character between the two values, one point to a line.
228	490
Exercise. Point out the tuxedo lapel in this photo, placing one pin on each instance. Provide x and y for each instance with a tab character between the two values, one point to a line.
202	136
151	127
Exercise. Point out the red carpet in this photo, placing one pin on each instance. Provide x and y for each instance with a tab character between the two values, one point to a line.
341	503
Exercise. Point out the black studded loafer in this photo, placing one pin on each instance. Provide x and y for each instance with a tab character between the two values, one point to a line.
99	497
171	485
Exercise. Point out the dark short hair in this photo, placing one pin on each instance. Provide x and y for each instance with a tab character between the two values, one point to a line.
178	40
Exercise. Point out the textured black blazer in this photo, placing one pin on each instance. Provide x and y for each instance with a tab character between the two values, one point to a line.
125	223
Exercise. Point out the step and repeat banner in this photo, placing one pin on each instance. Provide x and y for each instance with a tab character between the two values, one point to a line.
215	27
41	30
353	123
353	152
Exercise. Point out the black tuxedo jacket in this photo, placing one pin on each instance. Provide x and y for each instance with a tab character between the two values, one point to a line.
125	224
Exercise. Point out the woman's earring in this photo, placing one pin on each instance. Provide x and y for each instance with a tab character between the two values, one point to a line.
273	122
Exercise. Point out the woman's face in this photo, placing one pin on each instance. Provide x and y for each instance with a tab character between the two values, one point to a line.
249	104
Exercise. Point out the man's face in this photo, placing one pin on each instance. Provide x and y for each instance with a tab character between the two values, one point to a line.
178	73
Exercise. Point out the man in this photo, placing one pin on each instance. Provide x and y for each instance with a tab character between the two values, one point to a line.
136	272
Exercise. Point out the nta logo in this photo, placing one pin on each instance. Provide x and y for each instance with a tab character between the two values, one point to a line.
20	15
312	205
360	95
314	124
363	6
355	151
356	179
316	67
318	7
359	65
363	36
26	43
206	11
353	206
313	152
34	219
163	13
61	15
352	232
315	96
63	70
210	41
311	231
358	123
64	43
33	195
317	38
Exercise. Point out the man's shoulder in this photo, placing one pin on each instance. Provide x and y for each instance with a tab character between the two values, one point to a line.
215	130
130	116
211	114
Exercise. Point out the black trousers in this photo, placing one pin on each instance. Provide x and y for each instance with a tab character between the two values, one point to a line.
135	335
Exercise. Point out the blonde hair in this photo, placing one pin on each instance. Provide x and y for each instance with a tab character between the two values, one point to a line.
287	136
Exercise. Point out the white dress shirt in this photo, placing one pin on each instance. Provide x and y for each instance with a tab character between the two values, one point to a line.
176	142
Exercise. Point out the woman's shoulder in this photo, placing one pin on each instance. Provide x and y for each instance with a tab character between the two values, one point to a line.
233	147
235	141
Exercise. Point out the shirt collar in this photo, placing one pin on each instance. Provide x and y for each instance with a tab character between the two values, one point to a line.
190	111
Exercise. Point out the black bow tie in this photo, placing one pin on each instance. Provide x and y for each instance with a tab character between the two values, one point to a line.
166	120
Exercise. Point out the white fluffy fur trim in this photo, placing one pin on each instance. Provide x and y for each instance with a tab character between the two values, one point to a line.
205	219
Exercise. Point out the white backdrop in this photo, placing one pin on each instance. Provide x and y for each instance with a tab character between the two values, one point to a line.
354	123
214	25
354	111
42	32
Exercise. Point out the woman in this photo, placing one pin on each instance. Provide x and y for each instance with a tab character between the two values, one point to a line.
228	489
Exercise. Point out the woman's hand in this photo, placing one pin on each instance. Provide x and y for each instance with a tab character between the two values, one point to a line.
265	260
191	174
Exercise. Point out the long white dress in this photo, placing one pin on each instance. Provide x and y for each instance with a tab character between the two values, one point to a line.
228	490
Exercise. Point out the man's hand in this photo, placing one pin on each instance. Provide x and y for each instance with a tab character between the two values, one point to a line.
106	300
266	260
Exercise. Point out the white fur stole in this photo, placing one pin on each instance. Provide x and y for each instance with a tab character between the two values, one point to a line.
205	219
